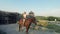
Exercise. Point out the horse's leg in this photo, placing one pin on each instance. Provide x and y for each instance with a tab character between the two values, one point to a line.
27	28
19	27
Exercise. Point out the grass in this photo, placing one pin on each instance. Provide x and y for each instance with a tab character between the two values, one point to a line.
42	22
56	28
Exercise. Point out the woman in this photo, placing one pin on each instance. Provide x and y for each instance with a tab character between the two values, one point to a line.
24	16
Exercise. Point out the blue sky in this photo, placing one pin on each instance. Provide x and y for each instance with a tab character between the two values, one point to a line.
39	7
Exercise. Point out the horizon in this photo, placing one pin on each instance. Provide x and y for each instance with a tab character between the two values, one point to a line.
39	7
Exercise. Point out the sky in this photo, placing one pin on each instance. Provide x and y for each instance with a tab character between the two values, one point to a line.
39	7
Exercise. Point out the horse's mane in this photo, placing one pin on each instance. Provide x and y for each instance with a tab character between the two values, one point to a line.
31	18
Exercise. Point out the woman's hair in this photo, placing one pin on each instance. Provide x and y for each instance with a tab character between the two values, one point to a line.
31	12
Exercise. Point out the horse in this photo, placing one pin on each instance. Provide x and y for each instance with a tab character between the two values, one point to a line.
27	23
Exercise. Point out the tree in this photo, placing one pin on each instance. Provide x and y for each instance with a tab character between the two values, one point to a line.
51	18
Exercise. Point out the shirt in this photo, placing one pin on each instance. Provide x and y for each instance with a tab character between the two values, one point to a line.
24	15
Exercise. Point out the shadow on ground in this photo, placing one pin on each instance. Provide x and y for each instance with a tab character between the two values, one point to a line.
2	32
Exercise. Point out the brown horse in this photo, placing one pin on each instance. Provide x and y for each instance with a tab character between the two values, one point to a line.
27	23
